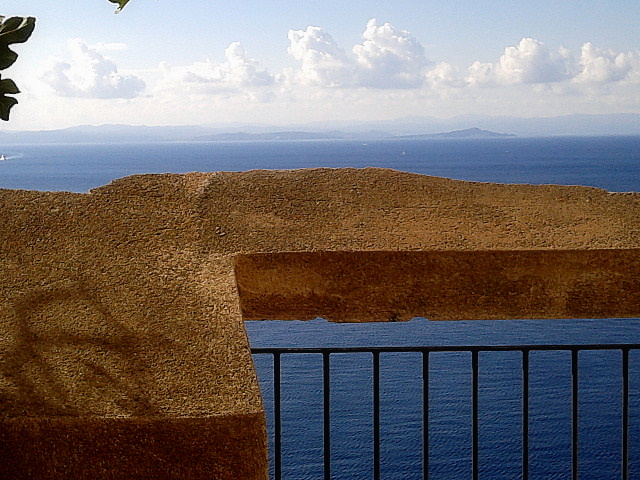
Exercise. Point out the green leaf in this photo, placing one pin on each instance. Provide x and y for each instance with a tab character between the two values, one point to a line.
7	86
7	56
5	106
121	4
17	29
13	30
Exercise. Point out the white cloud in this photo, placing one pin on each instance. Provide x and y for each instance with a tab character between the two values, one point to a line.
88	74
238	72
387	58
481	73
322	61
241	71
604	66
110	47
390	58
444	76
386	73
532	62
529	62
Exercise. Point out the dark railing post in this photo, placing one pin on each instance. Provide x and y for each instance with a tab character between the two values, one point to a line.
376	415
326	376
574	413
475	429
425	414
277	419
525	414
625	413
474	350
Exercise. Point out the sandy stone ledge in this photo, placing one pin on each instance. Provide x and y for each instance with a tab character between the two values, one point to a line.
122	311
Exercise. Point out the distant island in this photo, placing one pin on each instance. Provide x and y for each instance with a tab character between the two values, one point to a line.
129	134
466	133
338	135
269	136
409	127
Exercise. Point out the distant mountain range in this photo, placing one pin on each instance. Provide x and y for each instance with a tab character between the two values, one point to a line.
466	133
337	135
270	136
476	126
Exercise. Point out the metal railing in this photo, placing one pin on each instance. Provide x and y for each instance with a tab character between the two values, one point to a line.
425	352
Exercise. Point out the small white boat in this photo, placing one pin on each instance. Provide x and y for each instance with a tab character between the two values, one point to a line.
2	158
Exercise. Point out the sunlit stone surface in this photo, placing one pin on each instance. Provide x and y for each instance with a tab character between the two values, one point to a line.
122	347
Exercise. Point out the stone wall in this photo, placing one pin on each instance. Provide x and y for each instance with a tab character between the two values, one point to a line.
439	285
122	347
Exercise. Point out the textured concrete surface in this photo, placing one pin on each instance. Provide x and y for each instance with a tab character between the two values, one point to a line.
439	285
121	323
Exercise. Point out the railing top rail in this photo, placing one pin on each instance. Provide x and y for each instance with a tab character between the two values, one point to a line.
449	348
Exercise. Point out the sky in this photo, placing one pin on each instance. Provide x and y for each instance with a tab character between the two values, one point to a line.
221	62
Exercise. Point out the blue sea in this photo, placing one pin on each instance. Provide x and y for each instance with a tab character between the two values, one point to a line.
612	163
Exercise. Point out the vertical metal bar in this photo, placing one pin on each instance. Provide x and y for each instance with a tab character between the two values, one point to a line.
326	376
574	413
425	415
376	415
277	421
625	414
474	446
525	414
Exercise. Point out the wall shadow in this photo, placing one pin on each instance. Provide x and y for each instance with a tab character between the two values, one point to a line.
72	357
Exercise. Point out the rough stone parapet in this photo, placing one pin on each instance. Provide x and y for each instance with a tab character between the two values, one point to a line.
121	311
